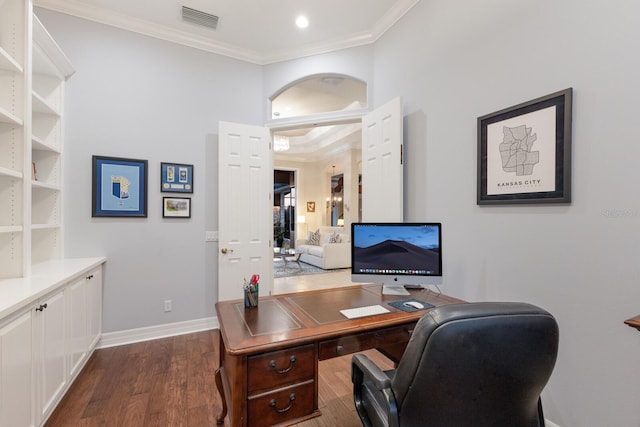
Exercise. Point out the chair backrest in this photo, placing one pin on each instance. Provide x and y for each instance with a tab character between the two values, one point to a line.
479	364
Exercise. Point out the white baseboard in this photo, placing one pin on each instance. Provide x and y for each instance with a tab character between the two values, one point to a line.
112	339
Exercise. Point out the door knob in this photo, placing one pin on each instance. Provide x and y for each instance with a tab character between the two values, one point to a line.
225	250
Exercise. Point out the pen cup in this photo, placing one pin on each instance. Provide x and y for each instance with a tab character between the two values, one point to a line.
250	298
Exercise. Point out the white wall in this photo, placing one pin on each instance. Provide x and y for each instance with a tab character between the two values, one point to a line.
138	97
453	61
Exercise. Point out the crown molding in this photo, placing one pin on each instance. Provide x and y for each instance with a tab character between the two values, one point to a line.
101	15
396	13
140	26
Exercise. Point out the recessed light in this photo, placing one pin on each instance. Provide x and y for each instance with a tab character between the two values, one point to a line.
302	21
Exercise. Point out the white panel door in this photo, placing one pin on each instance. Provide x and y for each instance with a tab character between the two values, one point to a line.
245	224
382	164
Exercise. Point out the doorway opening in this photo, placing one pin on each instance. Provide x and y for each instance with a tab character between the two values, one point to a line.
284	209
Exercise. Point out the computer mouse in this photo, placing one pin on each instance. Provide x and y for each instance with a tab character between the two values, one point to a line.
414	304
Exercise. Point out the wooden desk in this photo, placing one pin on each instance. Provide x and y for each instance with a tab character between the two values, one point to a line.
269	355
634	322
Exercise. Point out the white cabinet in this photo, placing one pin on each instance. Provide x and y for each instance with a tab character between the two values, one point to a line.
94	298
33	71
50	323
51	352
15	371
85	321
78	326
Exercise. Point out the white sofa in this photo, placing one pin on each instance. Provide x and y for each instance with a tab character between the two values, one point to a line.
327	255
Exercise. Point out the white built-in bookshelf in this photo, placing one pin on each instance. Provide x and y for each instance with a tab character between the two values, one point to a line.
33	71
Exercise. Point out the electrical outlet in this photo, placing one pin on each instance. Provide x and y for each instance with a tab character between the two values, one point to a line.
167	305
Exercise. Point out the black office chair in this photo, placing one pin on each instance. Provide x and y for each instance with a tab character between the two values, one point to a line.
477	364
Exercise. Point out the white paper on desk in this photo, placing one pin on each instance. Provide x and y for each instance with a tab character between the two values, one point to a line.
394	290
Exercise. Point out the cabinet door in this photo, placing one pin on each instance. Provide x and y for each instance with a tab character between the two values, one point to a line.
15	372
94	303
78	328
50	333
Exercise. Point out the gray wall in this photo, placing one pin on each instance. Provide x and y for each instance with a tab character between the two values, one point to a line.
137	97
453	61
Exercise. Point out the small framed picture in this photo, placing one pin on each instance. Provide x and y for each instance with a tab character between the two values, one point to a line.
176	178
311	207
176	207
119	187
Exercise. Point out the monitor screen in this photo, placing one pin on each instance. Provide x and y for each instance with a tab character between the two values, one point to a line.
396	253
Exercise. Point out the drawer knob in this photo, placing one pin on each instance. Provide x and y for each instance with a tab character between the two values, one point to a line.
272	403
42	307
292	360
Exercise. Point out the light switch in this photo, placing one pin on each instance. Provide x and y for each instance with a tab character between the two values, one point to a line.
211	236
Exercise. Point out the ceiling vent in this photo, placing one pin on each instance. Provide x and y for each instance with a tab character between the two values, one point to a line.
200	18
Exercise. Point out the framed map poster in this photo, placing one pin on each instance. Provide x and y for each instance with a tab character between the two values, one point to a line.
119	187
524	152
176	178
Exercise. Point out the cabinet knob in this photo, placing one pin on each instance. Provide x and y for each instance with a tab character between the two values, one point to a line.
42	307
89	277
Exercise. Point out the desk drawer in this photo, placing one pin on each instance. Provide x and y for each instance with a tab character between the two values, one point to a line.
365	340
281	405
271	370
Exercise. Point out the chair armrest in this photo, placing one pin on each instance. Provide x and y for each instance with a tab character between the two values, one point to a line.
362	366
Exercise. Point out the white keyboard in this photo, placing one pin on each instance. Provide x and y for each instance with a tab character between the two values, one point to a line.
369	310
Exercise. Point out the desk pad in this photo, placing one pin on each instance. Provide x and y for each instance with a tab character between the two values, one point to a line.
269	317
325	307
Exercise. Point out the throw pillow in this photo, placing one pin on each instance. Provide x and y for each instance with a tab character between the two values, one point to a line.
334	238
314	238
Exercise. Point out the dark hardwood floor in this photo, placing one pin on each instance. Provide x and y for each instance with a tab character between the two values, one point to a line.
170	382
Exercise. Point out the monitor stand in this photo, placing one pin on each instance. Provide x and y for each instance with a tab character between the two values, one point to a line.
394	290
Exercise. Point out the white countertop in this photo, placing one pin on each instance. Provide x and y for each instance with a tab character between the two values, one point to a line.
46	277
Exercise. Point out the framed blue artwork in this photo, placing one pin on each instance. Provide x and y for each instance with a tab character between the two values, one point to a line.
119	187
176	178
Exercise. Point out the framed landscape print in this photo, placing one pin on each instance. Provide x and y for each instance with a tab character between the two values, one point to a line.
176	178
176	207
524	152
119	187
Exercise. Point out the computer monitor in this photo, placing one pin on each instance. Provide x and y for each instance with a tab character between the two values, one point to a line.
396	253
